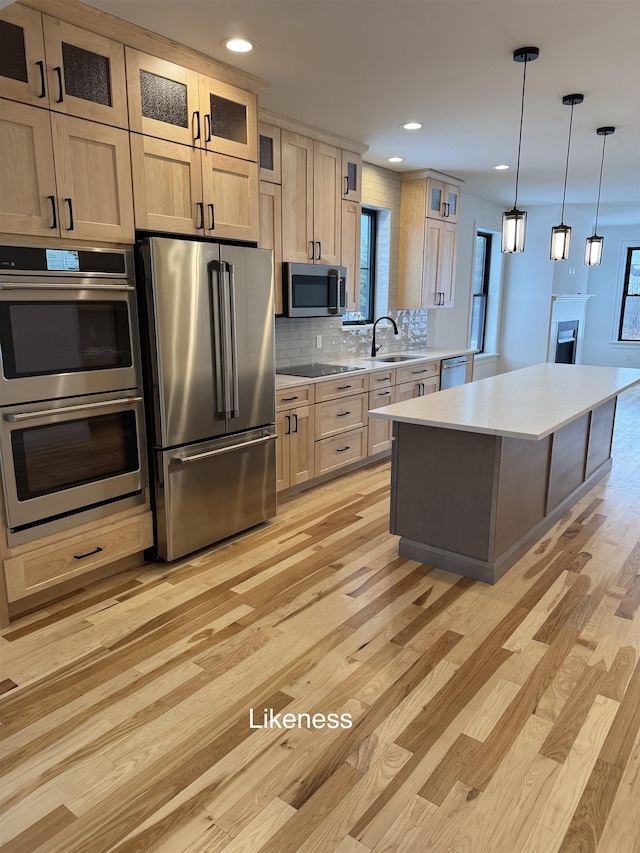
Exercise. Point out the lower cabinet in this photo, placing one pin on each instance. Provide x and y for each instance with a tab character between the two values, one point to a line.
380	432
340	450
295	456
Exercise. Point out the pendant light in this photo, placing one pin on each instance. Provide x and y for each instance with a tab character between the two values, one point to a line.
561	234
593	249
514	220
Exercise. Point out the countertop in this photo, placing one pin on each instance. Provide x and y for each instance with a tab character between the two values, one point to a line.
530	403
368	365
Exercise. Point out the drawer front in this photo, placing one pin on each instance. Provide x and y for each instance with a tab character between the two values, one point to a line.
344	387
289	398
339	415
333	453
47	567
381	379
417	372
409	390
382	397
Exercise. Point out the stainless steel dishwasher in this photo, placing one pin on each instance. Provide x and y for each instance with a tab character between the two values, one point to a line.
453	371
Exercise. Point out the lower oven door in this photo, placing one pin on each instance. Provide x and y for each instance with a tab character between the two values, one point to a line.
69	455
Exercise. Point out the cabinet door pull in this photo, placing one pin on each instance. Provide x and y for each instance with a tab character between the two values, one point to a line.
342	414
43	91
88	554
288	432
212	217
319	245
52	199
195	120
207	127
289	399
58	71
346	184
343	387
342	449
71	226
420	389
295	422
200	207
311	250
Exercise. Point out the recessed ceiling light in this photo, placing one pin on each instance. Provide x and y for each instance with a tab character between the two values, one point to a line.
395	159
501	166
238	45
412	125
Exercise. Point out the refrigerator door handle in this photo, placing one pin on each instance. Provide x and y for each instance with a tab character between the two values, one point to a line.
215	271
233	342
197	457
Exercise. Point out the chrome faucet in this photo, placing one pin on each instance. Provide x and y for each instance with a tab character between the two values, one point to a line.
374	348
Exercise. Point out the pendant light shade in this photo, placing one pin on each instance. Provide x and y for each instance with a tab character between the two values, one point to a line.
593	249
561	234
514	220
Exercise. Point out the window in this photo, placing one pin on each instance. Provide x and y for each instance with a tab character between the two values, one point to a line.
368	235
630	309
480	292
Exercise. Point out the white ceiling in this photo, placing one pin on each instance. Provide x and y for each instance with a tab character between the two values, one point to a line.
360	68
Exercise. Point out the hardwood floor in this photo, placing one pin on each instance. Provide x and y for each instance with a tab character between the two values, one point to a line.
485	719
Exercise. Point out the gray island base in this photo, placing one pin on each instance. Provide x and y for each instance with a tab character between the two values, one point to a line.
481	472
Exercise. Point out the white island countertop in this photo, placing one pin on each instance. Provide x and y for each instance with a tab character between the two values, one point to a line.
530	403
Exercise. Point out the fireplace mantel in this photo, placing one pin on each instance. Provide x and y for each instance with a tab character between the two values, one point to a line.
566	307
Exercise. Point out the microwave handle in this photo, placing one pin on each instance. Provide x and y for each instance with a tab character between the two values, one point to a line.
63	410
334	291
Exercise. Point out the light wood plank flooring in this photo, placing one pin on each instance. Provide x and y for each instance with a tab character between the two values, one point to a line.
486	719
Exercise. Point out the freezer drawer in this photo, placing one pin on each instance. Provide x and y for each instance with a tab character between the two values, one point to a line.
211	490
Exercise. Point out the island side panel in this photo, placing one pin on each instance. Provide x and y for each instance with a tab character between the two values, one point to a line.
568	460
600	435
444	488
522	490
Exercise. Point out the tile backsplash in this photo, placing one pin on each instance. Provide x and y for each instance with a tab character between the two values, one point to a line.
296	338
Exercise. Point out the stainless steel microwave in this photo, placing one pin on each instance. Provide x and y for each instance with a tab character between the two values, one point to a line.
313	290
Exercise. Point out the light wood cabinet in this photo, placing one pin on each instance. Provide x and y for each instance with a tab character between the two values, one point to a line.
64	177
340	450
380	431
351	176
22	59
183	190
351	218
269	155
442	200
295	458
230	119
335	416
311	200
271	233
417	388
427	251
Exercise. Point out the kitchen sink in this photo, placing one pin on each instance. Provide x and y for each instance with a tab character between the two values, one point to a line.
397	358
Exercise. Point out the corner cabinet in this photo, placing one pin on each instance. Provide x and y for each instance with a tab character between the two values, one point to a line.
428	236
68	177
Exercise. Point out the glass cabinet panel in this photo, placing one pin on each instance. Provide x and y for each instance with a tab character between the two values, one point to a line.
163	99
228	119
87	75
13	57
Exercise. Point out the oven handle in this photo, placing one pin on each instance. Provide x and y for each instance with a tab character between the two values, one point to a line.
25	416
19	286
198	456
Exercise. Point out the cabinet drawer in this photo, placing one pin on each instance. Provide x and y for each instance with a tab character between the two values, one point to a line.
49	566
340	450
344	387
418	388
339	415
381	379
417	372
289	398
382	397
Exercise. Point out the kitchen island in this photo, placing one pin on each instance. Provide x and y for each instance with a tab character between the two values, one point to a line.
482	471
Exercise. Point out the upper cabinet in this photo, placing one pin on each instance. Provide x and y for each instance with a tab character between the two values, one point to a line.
351	176
311	200
53	64
428	235
180	105
442	200
269	153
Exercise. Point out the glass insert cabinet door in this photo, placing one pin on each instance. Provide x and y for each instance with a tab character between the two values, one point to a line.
22	66
85	74
269	154
229	119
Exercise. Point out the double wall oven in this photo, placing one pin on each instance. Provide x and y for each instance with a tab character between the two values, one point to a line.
72	438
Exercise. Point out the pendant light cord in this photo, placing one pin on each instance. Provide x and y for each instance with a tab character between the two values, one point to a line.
524	81
595	227
566	169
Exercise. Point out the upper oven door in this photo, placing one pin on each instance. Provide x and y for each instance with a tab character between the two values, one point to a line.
66	337
68	455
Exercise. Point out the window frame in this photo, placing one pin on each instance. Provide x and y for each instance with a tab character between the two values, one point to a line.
371	214
626	295
484	294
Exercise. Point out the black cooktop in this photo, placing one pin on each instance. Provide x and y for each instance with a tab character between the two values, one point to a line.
313	370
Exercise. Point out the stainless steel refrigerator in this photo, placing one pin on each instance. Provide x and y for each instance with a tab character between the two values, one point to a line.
209	322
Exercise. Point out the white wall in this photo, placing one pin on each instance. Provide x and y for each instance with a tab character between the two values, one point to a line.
603	312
